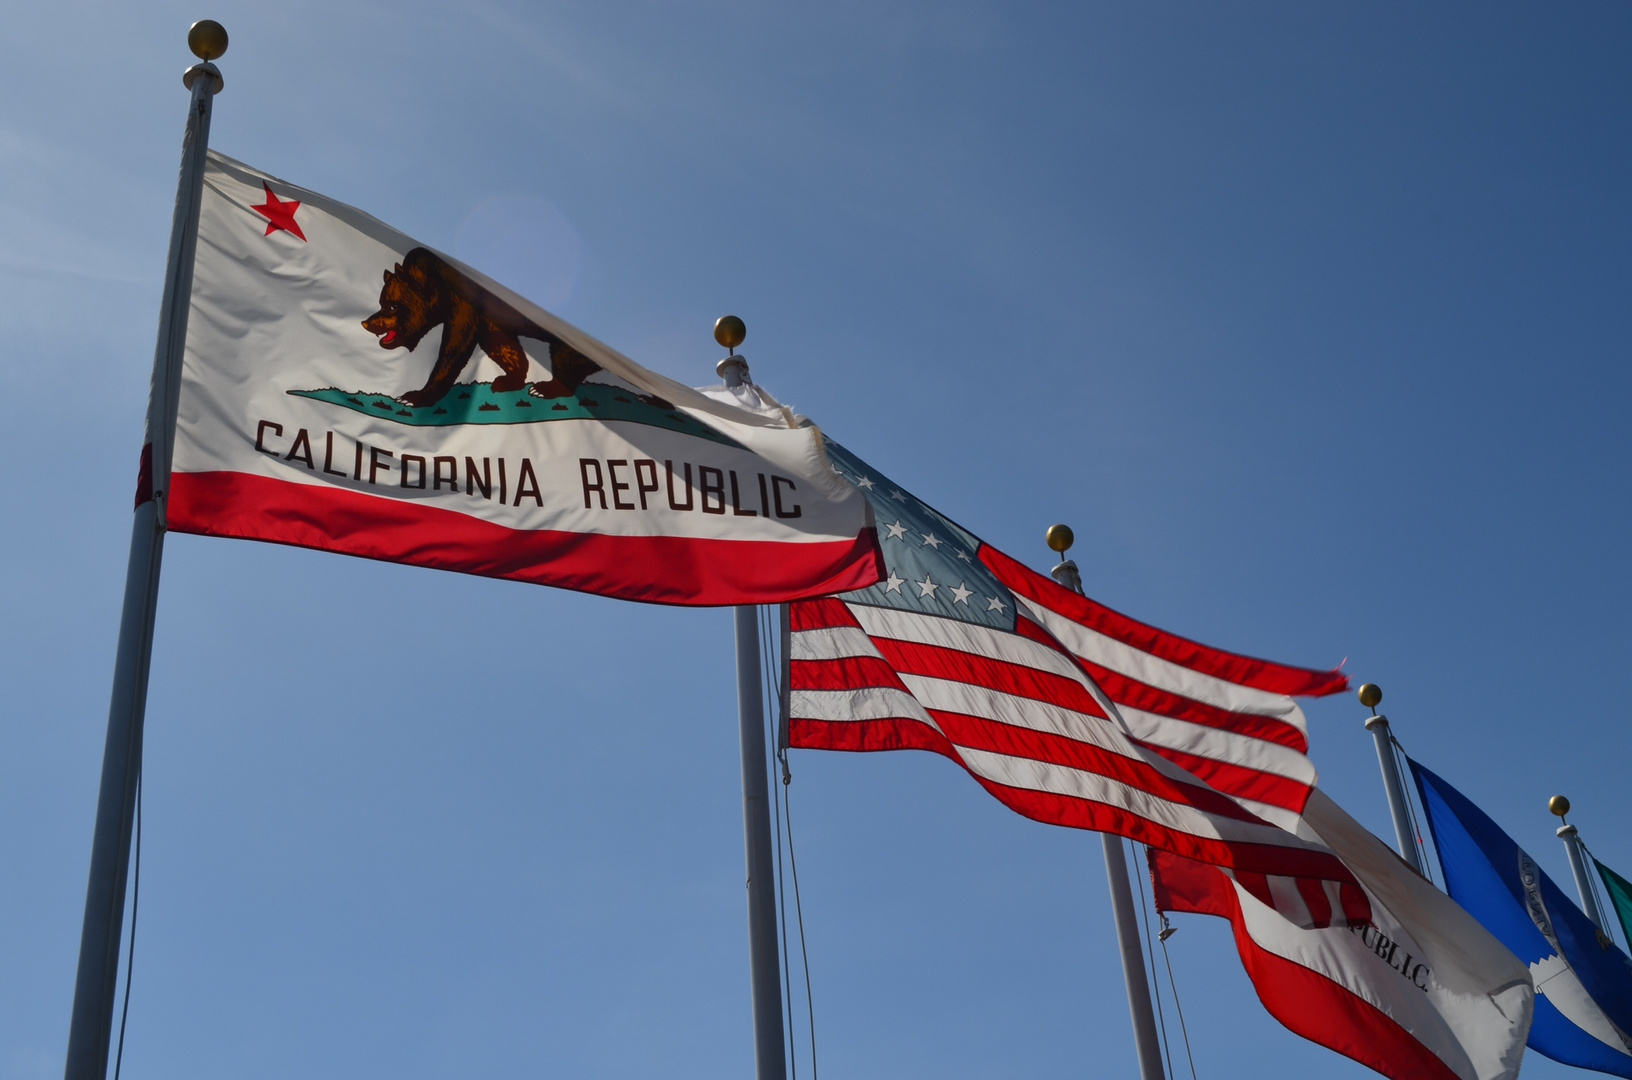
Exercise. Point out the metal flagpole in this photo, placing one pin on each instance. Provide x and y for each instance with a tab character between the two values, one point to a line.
764	964
94	987
1560	806
1371	695
1145	1039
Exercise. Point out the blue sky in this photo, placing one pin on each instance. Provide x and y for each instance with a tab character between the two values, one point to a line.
1310	319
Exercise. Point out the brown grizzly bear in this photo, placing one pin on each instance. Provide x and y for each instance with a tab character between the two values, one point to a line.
423	292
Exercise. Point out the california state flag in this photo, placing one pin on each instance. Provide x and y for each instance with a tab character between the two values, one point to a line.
1422	992
348	389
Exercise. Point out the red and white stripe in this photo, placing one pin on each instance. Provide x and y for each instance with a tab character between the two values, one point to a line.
1226	718
1019	713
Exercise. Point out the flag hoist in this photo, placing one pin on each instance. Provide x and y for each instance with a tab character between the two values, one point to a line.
92	1021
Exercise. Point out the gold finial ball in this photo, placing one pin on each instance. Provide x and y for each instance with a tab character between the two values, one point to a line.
1371	695
1559	805
730	331
1060	538
207	39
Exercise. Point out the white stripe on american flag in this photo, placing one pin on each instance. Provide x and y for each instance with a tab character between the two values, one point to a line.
850	706
964	637
1155	730
830	643
969	699
1046	776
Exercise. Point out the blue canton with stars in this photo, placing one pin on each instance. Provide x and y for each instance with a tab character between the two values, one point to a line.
933	568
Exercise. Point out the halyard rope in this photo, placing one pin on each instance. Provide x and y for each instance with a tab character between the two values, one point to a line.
768	687
1402	766
1172	983
775	693
1156	987
1598	897
799	913
1174	986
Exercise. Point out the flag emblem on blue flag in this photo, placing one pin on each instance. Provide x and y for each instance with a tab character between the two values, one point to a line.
1583	981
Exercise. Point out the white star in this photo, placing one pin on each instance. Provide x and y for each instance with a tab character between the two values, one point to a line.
994	604
926	587
931	540
960	595
964	555
898	495
897	531
893	583
864	482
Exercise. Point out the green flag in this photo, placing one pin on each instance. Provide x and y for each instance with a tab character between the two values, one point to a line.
1620	894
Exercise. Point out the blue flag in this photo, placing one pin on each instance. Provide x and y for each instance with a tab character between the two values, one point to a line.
1583	982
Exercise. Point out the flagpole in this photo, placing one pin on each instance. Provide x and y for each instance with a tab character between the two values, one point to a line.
94	987
1371	695
1568	833
1147	1043
764	963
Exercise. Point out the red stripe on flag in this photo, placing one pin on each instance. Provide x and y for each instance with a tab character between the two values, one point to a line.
656	569
144	475
844	673
820	614
1356	907
1231	667
1320	908
1028	629
1240	781
1257	885
867	735
1241	857
1188	886
932	661
1137	695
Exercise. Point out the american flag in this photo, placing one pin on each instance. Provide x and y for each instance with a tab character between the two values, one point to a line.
1029	686
1227	718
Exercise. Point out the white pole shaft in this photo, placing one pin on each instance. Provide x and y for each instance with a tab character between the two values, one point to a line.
1395	787
1146	1041
764	965
1578	868
91	1024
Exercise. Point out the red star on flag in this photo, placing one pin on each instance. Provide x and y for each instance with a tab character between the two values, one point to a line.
278	215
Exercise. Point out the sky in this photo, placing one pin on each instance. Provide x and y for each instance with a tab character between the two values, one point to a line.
1310	319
